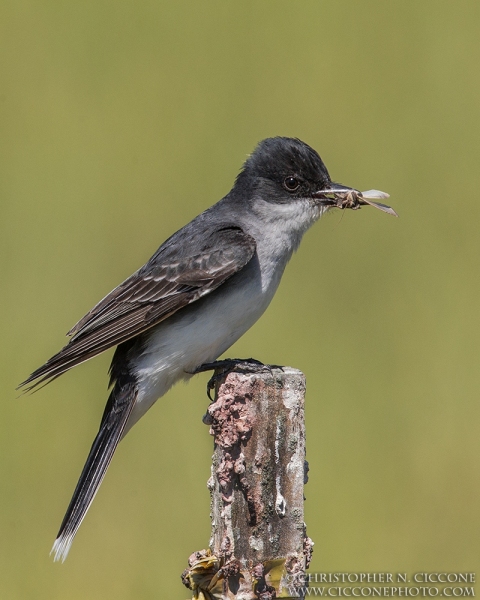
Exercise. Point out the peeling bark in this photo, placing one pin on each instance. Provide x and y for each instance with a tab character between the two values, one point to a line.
259	547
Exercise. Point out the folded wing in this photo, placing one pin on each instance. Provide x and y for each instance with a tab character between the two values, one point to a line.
149	296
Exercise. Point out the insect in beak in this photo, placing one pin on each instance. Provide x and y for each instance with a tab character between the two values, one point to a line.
344	197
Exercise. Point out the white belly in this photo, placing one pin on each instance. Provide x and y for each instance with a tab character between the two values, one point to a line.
197	334
201	332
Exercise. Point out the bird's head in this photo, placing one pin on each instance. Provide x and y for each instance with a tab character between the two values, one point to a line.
286	171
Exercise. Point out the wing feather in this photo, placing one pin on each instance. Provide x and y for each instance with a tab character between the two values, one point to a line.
149	296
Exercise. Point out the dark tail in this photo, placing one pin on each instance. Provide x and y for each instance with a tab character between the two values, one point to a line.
117	411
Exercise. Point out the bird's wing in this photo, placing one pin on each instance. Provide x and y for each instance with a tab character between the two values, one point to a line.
149	296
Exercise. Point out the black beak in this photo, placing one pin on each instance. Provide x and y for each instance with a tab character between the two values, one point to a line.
335	194
341	196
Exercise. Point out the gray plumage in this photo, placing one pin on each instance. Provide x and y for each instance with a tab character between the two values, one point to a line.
202	289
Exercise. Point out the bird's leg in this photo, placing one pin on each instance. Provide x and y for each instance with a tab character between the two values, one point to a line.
222	367
229	364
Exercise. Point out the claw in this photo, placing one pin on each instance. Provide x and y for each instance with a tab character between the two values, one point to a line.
222	367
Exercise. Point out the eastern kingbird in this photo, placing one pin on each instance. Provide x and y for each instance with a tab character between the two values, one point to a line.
201	290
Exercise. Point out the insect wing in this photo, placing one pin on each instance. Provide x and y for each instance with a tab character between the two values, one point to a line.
380	206
375	195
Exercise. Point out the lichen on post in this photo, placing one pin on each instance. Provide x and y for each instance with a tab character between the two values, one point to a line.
259	547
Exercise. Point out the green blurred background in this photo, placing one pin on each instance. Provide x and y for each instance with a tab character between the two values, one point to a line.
120	121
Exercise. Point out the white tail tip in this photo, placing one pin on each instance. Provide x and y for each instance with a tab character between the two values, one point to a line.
61	548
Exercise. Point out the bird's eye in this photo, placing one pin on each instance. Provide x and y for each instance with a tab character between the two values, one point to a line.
291	184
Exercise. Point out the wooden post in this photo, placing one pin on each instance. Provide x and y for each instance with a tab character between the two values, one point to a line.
259	547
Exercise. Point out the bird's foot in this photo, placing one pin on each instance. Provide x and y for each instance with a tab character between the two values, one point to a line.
222	367
232	364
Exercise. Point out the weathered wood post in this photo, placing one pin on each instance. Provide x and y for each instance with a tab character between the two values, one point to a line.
259	547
